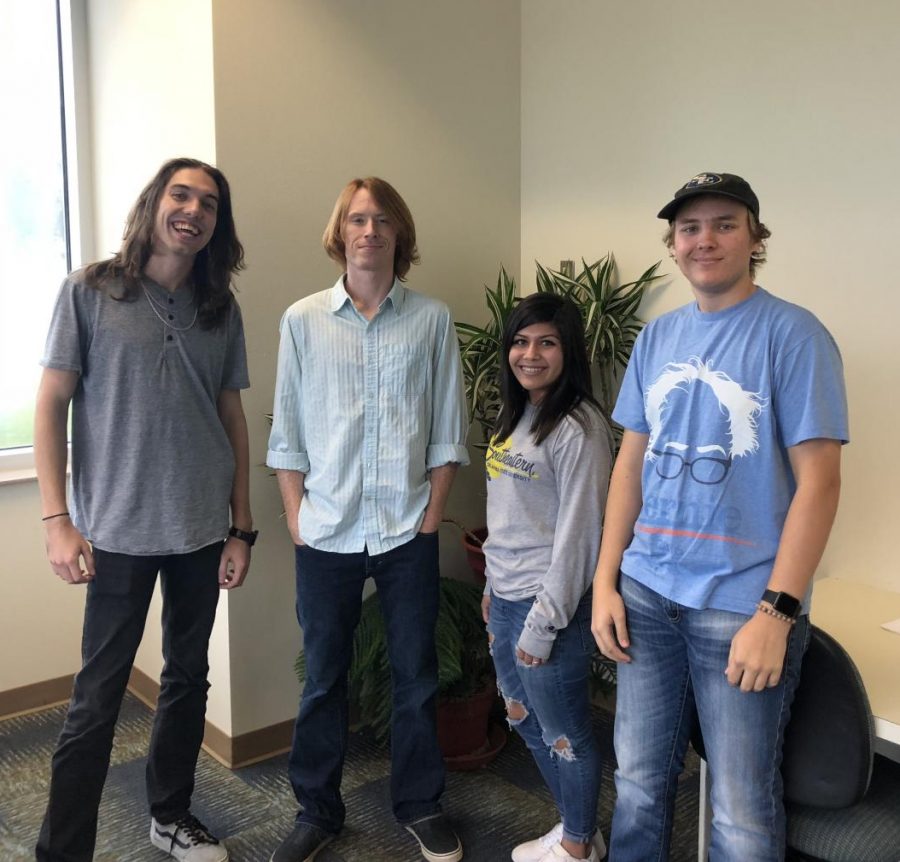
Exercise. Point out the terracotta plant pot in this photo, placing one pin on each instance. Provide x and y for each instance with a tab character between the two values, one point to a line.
466	738
474	552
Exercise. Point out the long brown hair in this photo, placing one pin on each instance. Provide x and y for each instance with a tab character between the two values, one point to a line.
214	265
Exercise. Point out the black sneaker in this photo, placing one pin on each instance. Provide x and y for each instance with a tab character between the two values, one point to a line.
187	839
437	840
302	845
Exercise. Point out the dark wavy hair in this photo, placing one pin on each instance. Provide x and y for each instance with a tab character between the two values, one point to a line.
214	265
572	391
388	198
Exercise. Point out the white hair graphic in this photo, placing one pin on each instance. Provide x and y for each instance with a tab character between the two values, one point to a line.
741	406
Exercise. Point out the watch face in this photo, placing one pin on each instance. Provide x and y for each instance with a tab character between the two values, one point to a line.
782	602
244	536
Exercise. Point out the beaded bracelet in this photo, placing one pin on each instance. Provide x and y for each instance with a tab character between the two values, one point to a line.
768	609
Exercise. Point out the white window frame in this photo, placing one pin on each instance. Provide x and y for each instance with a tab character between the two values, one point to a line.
17	465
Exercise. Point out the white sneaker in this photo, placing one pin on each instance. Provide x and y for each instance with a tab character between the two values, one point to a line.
187	839
534	851
558	853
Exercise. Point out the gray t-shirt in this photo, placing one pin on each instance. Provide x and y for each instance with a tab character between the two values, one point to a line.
545	515
152	466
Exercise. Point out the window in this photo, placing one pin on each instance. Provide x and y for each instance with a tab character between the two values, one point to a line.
35	200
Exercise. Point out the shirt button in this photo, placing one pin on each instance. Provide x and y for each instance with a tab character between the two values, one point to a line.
171	301
171	317
168	338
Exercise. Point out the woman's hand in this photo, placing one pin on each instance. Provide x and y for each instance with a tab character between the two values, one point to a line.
528	659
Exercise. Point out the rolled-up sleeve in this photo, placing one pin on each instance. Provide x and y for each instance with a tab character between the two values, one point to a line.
287	445
449	425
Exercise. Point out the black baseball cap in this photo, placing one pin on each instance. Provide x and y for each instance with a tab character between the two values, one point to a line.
727	185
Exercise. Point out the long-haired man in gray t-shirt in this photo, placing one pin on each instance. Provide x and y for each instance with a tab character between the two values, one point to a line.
148	348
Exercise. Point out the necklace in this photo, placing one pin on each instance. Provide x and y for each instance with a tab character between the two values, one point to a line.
153	306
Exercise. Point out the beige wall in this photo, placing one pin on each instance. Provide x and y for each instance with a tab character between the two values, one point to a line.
622	103
144	108
619	105
308	95
40	616
151	76
151	72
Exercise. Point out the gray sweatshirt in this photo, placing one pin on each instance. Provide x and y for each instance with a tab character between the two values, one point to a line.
544	513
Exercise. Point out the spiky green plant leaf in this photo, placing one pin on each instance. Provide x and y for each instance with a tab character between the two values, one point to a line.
611	324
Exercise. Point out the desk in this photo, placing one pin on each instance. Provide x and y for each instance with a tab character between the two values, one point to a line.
852	614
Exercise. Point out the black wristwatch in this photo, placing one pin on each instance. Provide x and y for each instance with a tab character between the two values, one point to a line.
244	536
784	603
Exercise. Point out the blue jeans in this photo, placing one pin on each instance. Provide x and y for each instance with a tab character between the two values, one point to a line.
329	598
554	695
677	676
114	616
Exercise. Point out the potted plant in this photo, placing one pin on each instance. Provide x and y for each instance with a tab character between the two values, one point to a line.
465	675
611	325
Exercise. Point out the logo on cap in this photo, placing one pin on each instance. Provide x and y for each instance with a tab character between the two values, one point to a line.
703	180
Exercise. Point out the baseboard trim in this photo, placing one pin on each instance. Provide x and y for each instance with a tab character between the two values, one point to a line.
143	687
232	752
262	744
34	697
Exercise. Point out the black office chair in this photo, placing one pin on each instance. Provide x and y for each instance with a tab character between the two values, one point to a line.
842	801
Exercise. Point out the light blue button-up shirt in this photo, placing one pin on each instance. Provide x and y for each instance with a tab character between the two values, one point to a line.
365	408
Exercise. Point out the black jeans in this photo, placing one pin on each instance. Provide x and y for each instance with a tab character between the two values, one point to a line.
114	616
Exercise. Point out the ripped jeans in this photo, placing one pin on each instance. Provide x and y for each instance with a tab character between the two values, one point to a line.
552	712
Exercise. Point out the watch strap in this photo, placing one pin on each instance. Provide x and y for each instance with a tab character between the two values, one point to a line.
784	603
244	536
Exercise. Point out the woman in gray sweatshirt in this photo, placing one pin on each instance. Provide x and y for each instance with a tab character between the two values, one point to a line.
548	465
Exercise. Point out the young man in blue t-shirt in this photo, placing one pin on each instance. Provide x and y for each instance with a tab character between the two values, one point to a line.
720	505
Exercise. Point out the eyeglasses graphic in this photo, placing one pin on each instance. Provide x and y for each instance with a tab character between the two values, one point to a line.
706	471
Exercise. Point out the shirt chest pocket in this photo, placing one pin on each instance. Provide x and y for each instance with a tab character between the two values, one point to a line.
404	369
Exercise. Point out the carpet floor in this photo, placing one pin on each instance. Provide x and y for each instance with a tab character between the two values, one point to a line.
252	808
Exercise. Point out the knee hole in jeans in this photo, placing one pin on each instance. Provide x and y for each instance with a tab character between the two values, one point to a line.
515	711
562	749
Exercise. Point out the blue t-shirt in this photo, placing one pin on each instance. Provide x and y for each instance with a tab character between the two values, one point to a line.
722	396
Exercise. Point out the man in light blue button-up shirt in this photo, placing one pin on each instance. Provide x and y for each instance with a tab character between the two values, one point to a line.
369	428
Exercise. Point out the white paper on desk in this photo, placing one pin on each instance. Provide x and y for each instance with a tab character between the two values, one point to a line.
892	626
